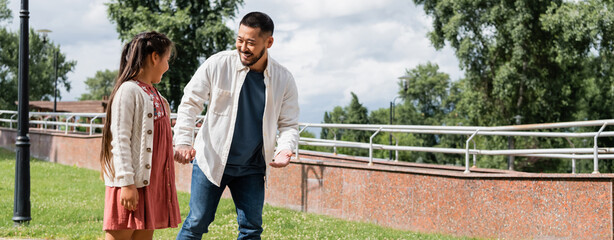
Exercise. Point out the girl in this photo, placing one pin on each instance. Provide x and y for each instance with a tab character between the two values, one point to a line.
137	155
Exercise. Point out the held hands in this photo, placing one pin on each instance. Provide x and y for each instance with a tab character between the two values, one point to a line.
129	197
184	154
282	159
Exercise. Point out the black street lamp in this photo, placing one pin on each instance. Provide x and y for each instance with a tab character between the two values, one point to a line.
55	64
21	210
392	104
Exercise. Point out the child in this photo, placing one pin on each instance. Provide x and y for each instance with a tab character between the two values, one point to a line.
137	155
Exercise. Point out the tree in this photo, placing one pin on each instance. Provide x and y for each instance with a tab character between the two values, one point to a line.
337	115
430	99
5	12
100	86
354	113
427	92
42	69
544	61
585	35
508	56
196	27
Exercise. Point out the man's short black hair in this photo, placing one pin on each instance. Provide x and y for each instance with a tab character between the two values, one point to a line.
259	20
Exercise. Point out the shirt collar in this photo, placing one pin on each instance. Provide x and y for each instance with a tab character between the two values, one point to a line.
246	68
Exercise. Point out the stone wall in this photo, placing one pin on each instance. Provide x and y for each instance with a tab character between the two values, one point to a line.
419	197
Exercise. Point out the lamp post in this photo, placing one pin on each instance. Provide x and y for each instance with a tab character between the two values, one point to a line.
55	64
21	207
392	104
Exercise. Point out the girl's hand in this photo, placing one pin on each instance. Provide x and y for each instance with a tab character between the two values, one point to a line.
184	154
129	197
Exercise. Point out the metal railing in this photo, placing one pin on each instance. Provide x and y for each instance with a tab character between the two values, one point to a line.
70	120
55	121
471	132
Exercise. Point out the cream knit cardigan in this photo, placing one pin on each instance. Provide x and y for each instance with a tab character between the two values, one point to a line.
132	126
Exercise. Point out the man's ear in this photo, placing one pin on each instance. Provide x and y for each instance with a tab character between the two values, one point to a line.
269	42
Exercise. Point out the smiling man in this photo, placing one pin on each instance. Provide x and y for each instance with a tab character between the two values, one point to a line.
252	99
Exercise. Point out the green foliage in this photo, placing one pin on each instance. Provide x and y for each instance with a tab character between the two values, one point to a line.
5	12
67	203
335	116
354	113
545	61
100	86
196	27
427	92
507	55
428	100
42	68
585	35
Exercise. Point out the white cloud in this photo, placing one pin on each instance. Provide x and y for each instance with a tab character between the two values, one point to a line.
91	57
82	30
318	9
96	14
337	47
331	47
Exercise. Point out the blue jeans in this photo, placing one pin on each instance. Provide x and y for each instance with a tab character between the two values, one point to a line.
247	193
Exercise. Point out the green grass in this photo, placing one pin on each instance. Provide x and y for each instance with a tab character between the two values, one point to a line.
68	202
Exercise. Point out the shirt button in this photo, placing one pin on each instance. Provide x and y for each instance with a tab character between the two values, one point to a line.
148	149
145	182
147	166
149	131
149	115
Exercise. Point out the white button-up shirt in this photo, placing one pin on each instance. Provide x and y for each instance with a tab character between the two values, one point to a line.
219	81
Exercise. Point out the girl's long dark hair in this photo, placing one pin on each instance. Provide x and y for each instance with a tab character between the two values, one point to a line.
132	61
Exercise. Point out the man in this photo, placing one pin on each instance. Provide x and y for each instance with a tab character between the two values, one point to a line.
251	98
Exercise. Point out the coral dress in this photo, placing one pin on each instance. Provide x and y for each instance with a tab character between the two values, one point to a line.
158	207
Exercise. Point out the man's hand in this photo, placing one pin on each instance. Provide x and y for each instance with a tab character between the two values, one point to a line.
129	197
282	159
184	154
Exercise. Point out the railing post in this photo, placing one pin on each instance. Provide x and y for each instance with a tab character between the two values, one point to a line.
475	159
573	160
45	123
371	146
396	151
92	125
67	119
11	122
335	146
595	157
467	151
297	142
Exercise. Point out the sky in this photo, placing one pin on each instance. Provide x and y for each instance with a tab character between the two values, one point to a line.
332	48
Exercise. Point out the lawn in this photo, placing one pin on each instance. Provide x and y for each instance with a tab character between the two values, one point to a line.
67	203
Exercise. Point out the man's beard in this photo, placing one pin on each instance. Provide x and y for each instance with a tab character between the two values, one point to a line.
256	58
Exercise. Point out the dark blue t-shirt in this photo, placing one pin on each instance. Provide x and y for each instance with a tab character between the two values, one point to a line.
245	157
